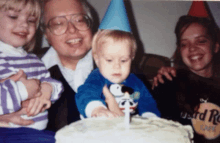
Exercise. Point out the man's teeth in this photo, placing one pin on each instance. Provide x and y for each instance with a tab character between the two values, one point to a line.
73	41
22	33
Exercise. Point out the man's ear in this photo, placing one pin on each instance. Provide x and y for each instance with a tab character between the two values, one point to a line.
96	59
45	35
216	48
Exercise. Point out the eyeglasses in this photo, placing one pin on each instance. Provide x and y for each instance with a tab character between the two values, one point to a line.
59	25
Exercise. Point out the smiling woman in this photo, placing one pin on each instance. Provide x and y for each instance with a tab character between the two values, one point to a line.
193	95
197	50
196	45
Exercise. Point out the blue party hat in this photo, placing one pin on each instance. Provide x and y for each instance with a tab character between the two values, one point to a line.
116	17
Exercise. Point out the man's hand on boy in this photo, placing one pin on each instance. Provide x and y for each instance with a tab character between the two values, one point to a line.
103	112
41	103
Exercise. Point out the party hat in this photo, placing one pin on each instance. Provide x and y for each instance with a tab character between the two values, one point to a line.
198	9
116	17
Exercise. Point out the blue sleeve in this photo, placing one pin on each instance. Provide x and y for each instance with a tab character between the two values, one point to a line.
91	90
146	102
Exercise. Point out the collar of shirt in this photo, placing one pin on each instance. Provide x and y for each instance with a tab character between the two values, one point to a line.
74	78
107	82
12	51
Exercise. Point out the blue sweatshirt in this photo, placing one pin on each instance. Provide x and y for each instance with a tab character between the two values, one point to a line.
91	90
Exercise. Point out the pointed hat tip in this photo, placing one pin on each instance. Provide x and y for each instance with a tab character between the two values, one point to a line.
198	9
116	17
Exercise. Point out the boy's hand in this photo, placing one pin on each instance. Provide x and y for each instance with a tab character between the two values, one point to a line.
102	112
111	102
40	104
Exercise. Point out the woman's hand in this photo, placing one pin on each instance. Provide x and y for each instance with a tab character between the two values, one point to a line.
168	72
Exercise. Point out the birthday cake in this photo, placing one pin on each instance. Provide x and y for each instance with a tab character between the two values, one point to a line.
114	130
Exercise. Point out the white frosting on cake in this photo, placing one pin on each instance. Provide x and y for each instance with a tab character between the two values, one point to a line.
112	130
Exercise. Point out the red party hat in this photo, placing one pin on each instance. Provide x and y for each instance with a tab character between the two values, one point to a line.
198	9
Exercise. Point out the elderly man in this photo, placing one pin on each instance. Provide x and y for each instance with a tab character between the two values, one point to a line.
67	27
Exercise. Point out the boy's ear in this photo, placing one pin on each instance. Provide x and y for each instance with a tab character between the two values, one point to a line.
216	48
96	59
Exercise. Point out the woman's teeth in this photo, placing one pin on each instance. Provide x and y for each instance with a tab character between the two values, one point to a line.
195	57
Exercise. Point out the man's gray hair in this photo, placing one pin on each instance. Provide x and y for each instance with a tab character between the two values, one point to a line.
86	7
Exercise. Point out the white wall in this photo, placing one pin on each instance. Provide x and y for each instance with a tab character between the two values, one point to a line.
155	21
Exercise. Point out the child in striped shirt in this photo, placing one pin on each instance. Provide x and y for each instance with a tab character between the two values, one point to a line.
18	23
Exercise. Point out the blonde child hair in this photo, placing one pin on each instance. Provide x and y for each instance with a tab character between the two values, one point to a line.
103	36
34	9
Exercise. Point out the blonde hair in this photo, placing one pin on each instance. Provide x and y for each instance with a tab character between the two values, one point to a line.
34	9
103	36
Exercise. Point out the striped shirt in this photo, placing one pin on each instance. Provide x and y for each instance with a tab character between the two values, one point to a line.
12	93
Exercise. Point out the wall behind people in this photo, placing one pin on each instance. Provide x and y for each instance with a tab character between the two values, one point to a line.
154	21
